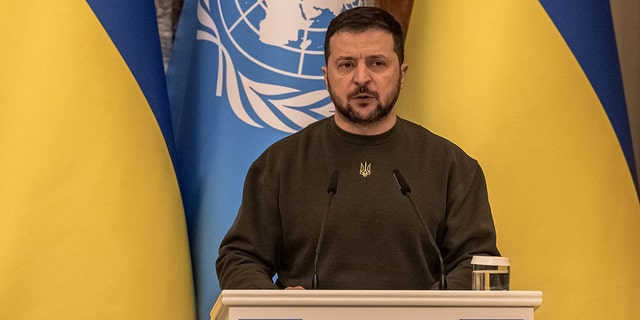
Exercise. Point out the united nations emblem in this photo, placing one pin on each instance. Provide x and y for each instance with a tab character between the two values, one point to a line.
270	54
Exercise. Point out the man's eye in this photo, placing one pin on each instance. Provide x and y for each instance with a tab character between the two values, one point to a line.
344	66
378	64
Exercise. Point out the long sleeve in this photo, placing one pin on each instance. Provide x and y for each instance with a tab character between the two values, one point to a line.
248	253
469	228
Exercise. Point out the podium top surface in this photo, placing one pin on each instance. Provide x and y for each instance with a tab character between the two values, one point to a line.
426	298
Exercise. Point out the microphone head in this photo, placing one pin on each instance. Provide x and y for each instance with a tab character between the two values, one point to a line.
333	182
402	183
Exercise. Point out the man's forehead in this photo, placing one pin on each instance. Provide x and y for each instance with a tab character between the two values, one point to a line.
370	42
363	34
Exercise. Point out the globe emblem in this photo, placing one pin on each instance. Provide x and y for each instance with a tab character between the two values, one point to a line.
270	54
285	37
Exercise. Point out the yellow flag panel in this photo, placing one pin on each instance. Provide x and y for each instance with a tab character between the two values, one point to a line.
91	220
497	78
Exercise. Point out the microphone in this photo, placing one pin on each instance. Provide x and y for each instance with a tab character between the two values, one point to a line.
406	191
332	188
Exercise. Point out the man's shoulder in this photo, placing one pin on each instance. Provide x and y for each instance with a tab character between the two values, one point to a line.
418	134
304	139
313	130
416	129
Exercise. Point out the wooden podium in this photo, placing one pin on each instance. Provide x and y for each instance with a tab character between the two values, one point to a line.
375	305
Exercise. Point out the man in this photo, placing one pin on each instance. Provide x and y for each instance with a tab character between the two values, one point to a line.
324	202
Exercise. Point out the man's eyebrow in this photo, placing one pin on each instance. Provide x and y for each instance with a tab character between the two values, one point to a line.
373	56
377	56
345	58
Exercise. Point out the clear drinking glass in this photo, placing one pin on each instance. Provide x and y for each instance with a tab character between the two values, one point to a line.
490	273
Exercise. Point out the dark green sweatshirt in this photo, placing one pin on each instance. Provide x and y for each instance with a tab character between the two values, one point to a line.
373	238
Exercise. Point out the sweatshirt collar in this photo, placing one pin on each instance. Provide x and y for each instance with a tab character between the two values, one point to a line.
364	140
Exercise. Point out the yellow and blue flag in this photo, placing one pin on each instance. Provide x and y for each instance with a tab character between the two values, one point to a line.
532	89
91	218
242	75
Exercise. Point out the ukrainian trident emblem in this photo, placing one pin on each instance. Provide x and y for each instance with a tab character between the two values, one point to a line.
365	169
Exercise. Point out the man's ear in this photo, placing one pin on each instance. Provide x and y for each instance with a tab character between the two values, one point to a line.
324	74
403	72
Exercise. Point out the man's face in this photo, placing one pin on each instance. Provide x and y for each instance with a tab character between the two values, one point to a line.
363	75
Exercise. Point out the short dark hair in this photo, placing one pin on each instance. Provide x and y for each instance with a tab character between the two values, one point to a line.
360	19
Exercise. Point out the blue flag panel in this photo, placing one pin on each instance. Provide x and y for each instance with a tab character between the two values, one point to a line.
587	27
243	74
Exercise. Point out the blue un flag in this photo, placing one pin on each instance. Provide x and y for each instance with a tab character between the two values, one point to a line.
243	74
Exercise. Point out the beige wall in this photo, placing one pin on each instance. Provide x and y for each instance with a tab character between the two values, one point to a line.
626	20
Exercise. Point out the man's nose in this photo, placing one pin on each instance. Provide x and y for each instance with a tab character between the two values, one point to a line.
362	75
